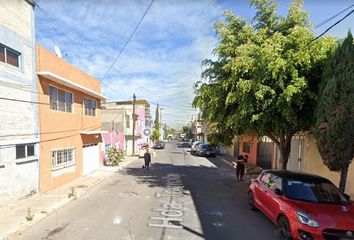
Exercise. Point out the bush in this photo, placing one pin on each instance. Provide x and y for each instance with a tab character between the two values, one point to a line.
115	156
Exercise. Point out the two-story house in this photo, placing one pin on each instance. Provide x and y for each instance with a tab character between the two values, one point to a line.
117	118
19	165
69	120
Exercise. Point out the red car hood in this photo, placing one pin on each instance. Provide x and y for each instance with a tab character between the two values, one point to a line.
328	215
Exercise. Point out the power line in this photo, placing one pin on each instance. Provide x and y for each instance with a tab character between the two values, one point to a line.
79	45
334	16
340	20
126	43
47	140
25	101
43	133
112	65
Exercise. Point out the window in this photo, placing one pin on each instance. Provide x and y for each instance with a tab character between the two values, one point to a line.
90	107
60	100
9	56
246	147
127	121
24	151
272	181
63	158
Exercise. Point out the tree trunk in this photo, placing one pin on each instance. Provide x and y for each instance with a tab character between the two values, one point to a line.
284	153
343	177
283	141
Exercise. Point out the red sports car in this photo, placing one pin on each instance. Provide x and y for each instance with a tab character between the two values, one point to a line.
304	206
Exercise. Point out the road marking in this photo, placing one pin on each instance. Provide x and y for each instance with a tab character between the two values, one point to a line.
171	213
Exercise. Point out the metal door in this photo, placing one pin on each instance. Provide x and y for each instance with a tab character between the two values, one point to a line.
264	155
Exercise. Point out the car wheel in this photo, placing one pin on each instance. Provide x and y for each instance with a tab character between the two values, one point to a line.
284	229
251	201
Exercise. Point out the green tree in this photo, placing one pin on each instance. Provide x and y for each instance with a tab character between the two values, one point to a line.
173	131
334	128
264	79
165	132
155	136
186	130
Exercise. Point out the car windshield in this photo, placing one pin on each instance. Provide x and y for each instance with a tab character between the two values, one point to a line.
205	147
313	191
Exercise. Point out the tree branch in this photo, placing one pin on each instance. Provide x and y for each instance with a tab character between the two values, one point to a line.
274	139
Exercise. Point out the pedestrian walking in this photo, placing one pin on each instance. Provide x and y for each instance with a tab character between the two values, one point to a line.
240	167
147	160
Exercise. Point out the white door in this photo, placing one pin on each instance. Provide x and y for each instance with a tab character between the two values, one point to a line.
90	156
296	155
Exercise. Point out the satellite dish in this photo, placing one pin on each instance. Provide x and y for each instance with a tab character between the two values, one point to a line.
57	51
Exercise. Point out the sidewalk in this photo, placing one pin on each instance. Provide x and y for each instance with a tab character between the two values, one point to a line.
16	217
228	160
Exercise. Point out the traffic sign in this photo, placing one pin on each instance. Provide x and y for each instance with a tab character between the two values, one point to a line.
147	132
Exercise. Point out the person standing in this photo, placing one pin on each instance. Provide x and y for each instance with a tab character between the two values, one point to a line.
237	164
147	160
240	166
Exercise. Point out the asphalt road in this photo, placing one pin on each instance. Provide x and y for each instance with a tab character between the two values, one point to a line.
182	197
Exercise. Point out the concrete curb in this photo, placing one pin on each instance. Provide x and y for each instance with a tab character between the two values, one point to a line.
23	225
78	192
227	162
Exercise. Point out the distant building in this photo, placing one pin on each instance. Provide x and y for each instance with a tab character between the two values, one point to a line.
117	118
70	120
19	166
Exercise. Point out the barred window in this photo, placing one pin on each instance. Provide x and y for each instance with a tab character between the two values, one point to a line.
63	158
90	107
246	147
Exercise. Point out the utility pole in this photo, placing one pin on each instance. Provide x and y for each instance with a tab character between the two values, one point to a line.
133	153
161	127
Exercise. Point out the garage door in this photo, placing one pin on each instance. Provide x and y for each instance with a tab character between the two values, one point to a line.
90	155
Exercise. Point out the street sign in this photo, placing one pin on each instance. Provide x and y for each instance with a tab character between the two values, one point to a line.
147	132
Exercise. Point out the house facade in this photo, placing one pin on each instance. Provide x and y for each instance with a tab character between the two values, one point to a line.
19	139
117	119
261	152
304	156
69	120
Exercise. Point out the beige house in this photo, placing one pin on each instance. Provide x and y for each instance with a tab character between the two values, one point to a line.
313	163
304	156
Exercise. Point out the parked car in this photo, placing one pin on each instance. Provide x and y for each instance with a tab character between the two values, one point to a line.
205	150
159	145
304	206
194	147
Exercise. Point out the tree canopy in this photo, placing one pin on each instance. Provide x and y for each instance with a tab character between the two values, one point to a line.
265	75
334	128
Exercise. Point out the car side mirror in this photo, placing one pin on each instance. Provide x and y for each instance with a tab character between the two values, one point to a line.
278	192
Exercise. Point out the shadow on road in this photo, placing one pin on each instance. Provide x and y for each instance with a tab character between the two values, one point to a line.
183	145
220	201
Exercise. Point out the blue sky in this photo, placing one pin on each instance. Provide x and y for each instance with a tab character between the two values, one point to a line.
162	61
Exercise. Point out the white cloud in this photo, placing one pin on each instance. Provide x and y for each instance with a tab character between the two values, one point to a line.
163	59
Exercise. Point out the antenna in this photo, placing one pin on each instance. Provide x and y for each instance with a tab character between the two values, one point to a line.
57	51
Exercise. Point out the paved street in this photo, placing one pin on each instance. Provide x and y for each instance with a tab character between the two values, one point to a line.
182	197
